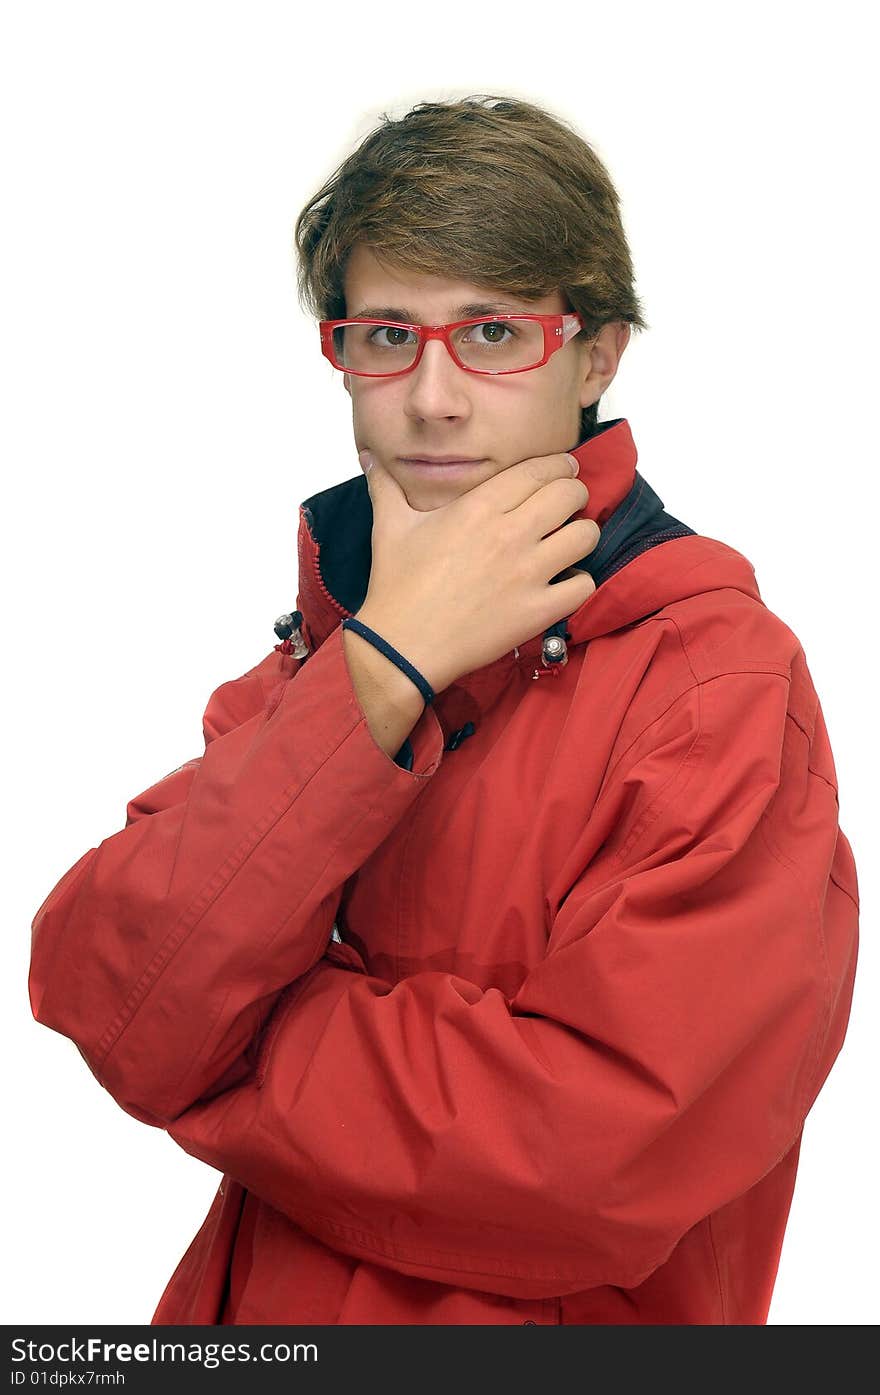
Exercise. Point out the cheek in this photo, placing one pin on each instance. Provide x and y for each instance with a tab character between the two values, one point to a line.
373	406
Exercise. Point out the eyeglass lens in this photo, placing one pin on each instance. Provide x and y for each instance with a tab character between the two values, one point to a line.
492	346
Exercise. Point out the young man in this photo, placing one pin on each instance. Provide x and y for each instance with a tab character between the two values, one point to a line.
495	1000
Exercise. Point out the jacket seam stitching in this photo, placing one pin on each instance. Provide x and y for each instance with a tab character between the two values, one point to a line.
608	536
810	737
641	545
818	774
807	731
785	670
845	890
456	1259
685	769
697	683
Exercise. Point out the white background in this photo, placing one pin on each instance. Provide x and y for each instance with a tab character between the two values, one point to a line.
167	409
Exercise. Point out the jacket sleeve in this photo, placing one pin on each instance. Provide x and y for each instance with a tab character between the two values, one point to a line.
656	1063
161	952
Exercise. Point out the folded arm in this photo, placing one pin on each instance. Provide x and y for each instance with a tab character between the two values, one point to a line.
655	1065
163	951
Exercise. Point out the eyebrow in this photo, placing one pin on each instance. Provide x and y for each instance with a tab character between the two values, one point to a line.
464	312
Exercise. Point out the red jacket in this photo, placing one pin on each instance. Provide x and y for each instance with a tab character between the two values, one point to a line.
596	961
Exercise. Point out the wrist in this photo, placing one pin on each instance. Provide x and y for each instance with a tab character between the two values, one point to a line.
409	647
378	673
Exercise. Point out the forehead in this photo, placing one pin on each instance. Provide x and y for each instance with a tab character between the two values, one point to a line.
372	286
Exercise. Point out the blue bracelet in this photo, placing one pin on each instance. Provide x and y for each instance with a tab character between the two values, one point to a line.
352	623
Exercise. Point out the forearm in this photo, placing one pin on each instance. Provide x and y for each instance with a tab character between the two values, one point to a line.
163	950
391	702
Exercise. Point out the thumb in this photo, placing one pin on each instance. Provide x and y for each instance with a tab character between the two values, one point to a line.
380	482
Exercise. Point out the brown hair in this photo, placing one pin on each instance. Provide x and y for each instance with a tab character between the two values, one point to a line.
489	189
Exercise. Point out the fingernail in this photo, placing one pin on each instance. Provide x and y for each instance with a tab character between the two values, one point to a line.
575	465
366	459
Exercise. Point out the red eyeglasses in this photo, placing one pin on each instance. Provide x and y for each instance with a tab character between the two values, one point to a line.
387	348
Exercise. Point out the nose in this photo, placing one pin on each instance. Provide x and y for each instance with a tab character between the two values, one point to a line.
437	387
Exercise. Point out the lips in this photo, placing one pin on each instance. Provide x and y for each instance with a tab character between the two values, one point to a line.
443	472
440	460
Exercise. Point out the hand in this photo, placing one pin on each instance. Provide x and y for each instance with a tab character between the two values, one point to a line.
455	587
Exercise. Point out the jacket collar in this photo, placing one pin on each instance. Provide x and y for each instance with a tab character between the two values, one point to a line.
632	576
607	462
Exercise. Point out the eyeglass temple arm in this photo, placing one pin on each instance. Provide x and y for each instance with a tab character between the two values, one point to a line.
571	325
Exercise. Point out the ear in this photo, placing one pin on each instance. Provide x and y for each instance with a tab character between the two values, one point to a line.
602	359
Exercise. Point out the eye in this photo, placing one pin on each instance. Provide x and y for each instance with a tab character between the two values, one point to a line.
492	325
391	330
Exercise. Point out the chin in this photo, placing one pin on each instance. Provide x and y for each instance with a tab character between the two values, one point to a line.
422	503
435	495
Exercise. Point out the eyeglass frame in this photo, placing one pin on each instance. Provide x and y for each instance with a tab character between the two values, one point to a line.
558	331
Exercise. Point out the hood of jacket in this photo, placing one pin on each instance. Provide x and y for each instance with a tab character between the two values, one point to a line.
645	558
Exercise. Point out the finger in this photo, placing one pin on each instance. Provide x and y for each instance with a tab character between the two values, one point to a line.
568	546
558	501
511	487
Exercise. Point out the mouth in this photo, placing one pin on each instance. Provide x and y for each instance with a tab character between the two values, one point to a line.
440	465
